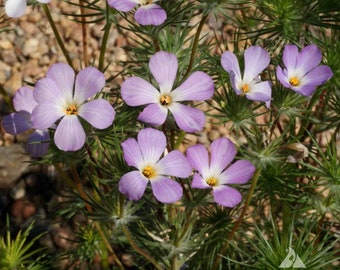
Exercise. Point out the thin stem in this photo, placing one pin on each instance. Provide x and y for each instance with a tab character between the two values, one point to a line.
195	44
84	31
107	29
57	36
239	220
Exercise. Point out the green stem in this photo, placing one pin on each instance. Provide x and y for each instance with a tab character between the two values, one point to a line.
57	36
6	97
107	29
195	44
286	225
84	32
239	220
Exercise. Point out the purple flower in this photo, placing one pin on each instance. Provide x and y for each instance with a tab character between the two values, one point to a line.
20	121
61	96
256	59
212	172
17	8
163	65
301	71
147	14
145	155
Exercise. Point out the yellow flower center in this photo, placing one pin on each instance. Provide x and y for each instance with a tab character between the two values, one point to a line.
245	88
149	172
72	109
211	181
145	2
165	100
294	81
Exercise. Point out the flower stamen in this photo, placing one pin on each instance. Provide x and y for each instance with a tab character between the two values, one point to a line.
165	100
145	2
149	172
294	81
245	88
72	109
211	181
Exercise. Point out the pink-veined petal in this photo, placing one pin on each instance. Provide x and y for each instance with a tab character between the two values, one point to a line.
289	56
15	8
133	185
227	196
187	118
199	182
150	15
137	91
174	164
152	144
230	63
281	75
198	158
23	100
256	59
238	173
309	57
89	82
38	143
222	152
69	135
99	113
16	123
154	114
44	115
198	86
63	76
123	5
132	153
163	66
47	91
305	90
317	76
166	190
260	91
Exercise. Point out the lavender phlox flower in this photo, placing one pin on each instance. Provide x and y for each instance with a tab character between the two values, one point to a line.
148	13
302	72
20	121
256	59
215	171
145	154
163	66
17	8
64	96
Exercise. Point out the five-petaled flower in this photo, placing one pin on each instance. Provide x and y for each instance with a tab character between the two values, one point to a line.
62	96
215	173
20	121
148	12
302	72
145	154
163	66
17	8
256	59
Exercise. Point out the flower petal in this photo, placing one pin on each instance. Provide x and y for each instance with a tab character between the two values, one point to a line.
289	56
256	59
44	1
198	86
154	114
152	144
150	15
44	115
123	5
133	185
63	76
198	158
187	118
38	143
89	82
261	91
16	123
46	90
227	196
132	153
166	190
99	113
230	63
163	66
69	135
222	152
281	75
238	173
309	57
137	91
199	182
317	76
15	8
174	164
23	100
